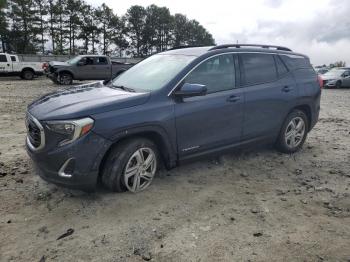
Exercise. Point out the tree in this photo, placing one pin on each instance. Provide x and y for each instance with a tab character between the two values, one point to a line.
3	25
198	35
27	26
338	64
119	34
181	33
39	21
136	21
73	22
23	35
158	29
106	20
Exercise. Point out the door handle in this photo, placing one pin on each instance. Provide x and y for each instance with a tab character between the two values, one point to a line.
8	64
287	89
233	98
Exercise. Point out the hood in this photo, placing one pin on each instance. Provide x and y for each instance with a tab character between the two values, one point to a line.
58	64
330	77
82	101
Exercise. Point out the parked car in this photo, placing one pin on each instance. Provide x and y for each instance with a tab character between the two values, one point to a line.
321	71
11	66
171	107
85	67
337	78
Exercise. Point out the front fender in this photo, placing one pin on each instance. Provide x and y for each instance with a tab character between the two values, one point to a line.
153	131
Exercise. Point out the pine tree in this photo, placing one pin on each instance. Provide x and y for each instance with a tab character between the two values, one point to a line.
136	21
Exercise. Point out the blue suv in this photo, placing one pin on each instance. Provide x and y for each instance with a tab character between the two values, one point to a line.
172	106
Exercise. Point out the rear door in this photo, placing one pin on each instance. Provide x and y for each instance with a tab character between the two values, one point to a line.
269	92
214	120
5	64
102	68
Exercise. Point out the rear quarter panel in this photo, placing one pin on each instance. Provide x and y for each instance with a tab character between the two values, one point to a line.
309	91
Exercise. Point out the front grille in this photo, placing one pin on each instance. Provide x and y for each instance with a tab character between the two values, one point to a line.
34	132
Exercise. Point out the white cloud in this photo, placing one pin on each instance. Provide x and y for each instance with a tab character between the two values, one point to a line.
317	28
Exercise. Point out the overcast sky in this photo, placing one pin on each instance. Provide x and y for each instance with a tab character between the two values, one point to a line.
317	28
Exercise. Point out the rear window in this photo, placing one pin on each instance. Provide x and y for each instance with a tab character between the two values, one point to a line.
101	61
258	68
3	58
296	61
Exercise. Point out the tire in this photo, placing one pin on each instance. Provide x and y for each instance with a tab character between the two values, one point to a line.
291	132
65	79
27	75
338	84
124	157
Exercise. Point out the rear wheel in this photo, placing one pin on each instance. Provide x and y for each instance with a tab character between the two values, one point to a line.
65	79
293	132
131	166
27	74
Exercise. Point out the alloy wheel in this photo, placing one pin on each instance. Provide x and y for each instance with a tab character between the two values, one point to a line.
65	79
295	132
140	170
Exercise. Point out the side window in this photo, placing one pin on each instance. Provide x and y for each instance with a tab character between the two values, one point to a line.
13	58
217	74
259	68
281	68
296	61
101	61
89	61
3	58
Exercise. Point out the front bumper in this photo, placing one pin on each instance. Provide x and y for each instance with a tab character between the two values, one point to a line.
75	165
52	76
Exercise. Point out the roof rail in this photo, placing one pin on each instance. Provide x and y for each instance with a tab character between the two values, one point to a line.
282	48
183	46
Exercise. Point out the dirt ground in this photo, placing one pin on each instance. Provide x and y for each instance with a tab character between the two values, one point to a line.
255	205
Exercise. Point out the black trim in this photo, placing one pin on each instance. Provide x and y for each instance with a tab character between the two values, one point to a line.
282	48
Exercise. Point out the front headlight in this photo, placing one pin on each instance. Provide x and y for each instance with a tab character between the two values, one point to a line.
71	129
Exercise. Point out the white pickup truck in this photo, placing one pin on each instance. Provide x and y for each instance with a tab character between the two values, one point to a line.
11	66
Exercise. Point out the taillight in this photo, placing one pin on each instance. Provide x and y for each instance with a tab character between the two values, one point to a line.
320	81
45	66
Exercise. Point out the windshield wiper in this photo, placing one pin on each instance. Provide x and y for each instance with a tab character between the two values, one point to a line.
124	88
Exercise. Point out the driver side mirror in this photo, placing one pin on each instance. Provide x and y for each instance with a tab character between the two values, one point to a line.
189	90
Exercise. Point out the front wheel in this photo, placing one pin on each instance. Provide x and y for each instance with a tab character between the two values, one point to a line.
131	166
338	84
65	79
293	132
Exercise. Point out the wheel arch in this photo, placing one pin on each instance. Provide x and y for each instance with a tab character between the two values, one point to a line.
306	109
158	137
27	69
66	71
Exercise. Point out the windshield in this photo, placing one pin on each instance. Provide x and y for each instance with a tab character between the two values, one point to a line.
73	60
153	73
335	72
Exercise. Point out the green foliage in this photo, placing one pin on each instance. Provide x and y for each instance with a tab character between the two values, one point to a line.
72	27
338	64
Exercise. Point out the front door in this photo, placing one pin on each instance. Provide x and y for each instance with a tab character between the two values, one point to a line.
214	120
5	66
346	79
